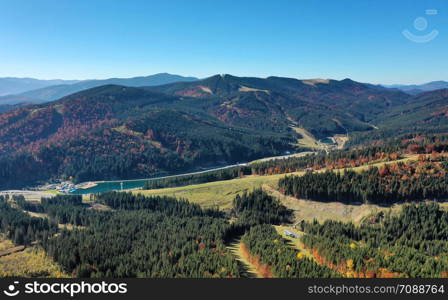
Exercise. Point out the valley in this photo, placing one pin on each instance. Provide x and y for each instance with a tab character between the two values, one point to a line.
223	192
245	261
165	129
297	170
287	147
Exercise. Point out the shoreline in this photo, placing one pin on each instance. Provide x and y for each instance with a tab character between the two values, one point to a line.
88	185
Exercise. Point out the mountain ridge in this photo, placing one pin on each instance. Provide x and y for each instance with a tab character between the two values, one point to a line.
354	104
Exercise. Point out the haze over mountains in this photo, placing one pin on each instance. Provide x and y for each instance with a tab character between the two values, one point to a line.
12	85
53	90
117	132
420	88
28	90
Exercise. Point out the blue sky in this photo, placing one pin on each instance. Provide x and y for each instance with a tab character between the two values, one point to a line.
359	39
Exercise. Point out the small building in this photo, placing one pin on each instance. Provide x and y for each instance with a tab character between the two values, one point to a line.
291	234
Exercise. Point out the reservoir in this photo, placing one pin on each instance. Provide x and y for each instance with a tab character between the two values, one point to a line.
106	186
112	186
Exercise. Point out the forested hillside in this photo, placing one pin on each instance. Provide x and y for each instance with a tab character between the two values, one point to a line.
323	107
411	244
164	237
114	132
424	114
159	238
140	237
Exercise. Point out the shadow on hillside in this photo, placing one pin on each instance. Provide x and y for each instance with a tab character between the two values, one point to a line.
243	268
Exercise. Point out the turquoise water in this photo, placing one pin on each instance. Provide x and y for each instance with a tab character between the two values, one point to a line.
137	183
111	186
327	141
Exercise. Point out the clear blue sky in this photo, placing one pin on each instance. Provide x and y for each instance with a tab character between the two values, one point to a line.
359	39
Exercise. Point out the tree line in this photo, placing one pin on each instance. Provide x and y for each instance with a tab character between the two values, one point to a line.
410	181
257	207
21	228
167	205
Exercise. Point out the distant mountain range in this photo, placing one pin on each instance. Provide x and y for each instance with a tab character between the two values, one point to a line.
12	85
420	88
29	90
59	89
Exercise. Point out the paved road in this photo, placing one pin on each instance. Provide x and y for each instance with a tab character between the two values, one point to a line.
211	170
29	195
169	176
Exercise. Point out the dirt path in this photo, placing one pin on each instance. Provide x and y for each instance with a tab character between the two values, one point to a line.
300	154
249	270
29	195
309	210
307	140
12	250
